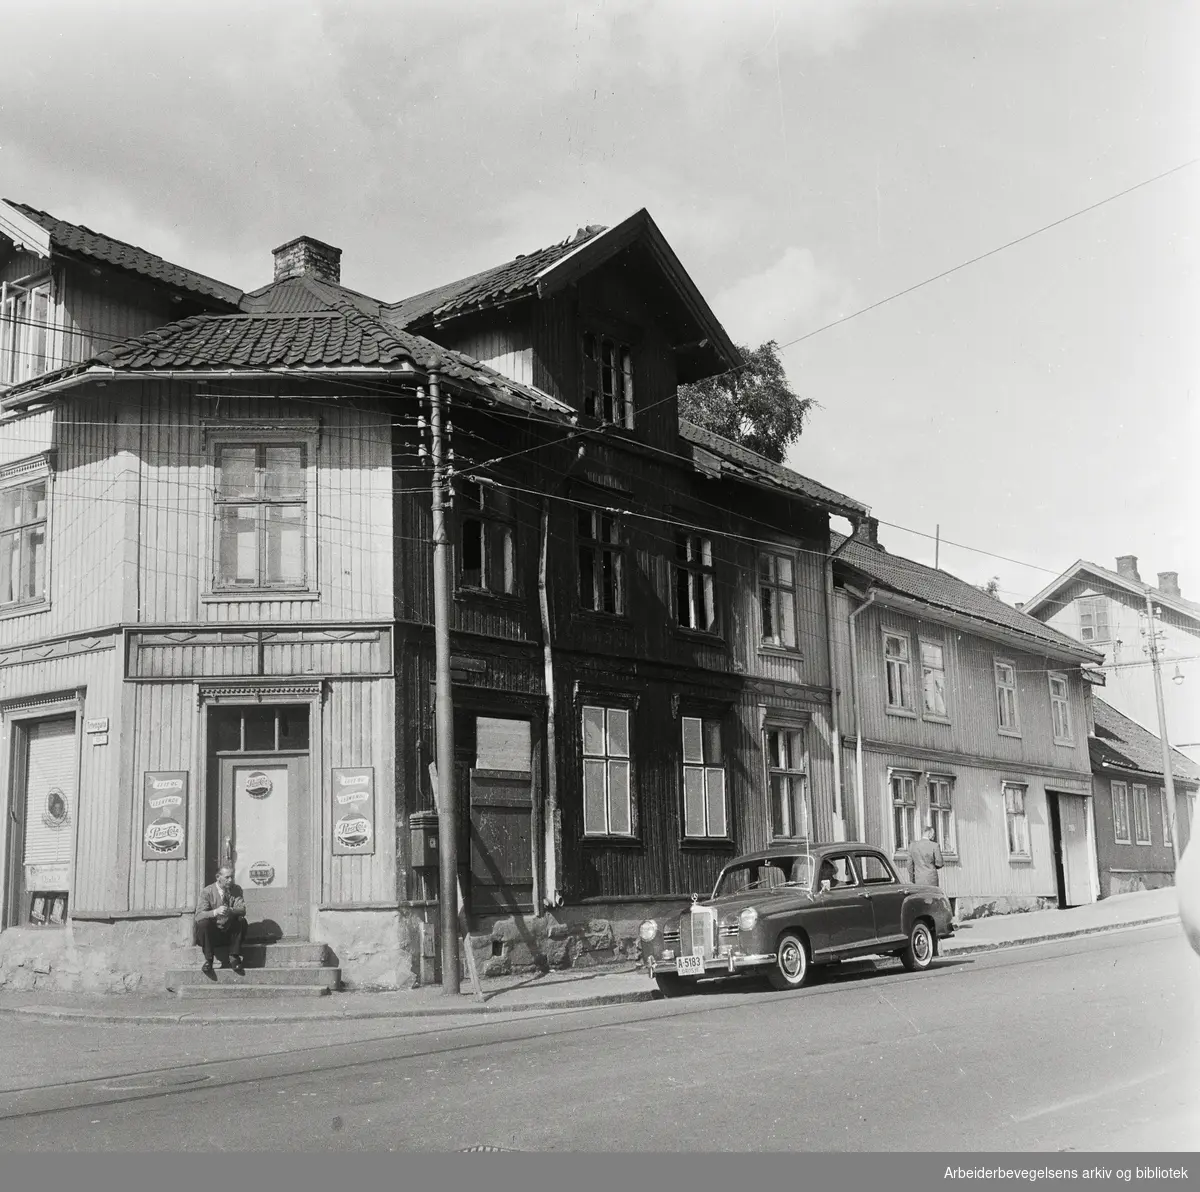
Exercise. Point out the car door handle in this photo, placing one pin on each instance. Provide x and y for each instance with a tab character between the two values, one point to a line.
863	894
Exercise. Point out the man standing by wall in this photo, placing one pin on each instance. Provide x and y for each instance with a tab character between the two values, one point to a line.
221	919
924	860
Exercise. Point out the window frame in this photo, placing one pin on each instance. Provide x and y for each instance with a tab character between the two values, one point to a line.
498	534
904	670
1064	702
592	369
941	815
36	470
1088	606
708	769
277	432
1013	730
17	331
789	775
909	805
926	713
1119	791
610	704
700	574
1021	818
1140	798
773	584
600	547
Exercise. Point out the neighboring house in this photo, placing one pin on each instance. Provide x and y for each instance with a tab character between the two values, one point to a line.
1133	823
1106	610
966	714
221	633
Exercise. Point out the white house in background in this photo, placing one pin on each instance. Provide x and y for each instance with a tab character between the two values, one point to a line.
1106	610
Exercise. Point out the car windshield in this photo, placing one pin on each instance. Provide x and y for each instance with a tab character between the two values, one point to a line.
768	874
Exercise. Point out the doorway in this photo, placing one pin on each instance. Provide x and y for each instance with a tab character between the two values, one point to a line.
1072	848
258	813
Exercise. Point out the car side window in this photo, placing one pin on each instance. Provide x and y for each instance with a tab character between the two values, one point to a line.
874	870
838	872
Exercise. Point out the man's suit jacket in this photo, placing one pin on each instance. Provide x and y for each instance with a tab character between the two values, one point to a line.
212	897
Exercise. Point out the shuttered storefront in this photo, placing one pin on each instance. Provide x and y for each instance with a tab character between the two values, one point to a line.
50	806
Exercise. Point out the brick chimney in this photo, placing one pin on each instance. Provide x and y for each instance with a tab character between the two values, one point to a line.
307	257
867	531
1168	583
1127	567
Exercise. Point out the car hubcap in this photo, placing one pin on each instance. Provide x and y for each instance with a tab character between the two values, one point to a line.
921	946
791	961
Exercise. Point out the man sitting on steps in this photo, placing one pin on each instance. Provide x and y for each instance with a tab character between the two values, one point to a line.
221	919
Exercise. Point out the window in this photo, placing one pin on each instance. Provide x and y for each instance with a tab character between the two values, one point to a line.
837	871
261	515
1166	817
703	778
607	802
933	678
487	561
941	812
1141	815
1120	800
874	870
694	606
601	562
26	323
898	671
1006	697
1017	820
777	600
904	808
1060	708
607	380
1093	618
787	783
23	543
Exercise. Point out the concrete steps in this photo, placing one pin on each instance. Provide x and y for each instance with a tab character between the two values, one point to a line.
287	968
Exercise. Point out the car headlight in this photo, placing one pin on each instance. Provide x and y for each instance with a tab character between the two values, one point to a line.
748	918
648	930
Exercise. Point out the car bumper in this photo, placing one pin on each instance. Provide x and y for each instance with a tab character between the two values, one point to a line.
714	966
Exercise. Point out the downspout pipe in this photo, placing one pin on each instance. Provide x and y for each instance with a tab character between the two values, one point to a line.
860	797
839	808
549	825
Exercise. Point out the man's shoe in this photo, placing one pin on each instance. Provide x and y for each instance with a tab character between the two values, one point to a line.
238	966
207	969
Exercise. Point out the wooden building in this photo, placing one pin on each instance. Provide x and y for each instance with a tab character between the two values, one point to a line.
965	714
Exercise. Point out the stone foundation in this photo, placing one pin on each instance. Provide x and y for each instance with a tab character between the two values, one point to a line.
1129	883
370	947
1009	904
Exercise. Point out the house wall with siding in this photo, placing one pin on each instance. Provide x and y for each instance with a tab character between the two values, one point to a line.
1134	866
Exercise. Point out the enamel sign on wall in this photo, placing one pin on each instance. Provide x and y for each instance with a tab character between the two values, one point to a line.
352	810
164	815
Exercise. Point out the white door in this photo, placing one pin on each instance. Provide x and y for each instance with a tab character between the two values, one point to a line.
1076	849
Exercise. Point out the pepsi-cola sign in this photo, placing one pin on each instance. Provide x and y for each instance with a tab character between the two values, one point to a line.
352	811
164	815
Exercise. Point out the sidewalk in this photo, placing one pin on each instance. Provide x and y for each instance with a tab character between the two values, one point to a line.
572	989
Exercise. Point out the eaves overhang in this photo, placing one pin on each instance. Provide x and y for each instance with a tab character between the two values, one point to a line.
23	232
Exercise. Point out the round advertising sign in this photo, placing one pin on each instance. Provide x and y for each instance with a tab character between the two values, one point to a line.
164	835
353	830
258	784
262	873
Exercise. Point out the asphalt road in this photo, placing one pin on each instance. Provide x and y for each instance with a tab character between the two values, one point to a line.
1089	1044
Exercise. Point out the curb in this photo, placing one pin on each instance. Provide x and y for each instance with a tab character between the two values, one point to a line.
200	1018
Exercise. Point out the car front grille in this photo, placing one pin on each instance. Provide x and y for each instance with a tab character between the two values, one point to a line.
697	928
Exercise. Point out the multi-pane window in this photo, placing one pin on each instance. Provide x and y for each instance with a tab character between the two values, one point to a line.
1093	618
607	798
933	678
261	515
1060	707
23	543
1006	696
777	600
897	661
487	560
1120	802
904	807
607	380
1141	814
601	562
941	811
1016	819
703	778
694	597
787	782
1166	817
26	317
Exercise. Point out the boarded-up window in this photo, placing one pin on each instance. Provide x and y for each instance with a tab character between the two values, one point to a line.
607	797
502	745
704	811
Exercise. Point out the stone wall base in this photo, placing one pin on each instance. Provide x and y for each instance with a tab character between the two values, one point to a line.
1007	904
1128	883
370	947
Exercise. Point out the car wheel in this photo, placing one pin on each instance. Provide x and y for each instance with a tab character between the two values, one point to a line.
922	945
669	985
793	966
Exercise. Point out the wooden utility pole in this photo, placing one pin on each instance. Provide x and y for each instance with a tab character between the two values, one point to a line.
1168	780
444	707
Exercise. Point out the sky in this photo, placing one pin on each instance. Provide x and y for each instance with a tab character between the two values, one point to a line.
805	159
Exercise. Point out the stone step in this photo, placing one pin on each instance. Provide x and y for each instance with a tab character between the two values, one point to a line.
268	978
221	990
277	955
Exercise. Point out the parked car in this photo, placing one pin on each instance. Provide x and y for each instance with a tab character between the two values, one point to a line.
781	912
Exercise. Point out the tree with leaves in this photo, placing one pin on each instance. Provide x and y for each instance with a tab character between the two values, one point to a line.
753	405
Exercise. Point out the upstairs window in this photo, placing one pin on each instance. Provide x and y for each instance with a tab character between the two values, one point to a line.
26	324
23	543
777	600
1006	697
607	380
933	679
487	557
898	667
1017	821
694	602
1093	618
1060	708
601	562
787	783
261	515
703	779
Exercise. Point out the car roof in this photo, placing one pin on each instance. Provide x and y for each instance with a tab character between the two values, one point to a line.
813	850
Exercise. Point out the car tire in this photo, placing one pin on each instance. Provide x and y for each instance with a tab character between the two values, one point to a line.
793	964
922	947
670	985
